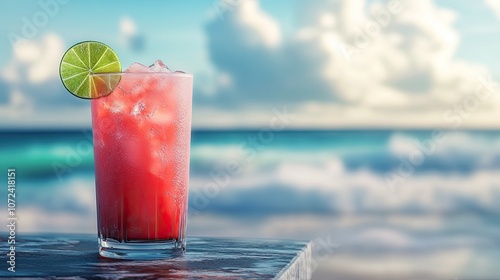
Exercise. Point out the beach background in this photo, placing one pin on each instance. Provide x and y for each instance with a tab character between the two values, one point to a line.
382	147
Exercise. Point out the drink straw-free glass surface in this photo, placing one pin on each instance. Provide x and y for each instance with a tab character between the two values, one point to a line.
141	136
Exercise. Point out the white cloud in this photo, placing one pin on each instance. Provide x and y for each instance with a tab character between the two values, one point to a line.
32	93
258	25
47	65
495	6
27	51
130	34
403	71
39	60
127	27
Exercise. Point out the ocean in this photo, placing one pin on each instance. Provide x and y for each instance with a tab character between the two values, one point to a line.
377	203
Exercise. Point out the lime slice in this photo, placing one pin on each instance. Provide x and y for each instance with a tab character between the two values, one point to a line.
84	59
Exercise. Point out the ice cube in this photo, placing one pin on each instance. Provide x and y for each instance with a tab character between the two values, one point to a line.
159	66
138	108
117	106
152	113
137	67
162	117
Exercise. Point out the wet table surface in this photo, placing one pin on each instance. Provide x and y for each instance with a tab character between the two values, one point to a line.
62	256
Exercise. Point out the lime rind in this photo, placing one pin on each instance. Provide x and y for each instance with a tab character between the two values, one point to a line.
83	60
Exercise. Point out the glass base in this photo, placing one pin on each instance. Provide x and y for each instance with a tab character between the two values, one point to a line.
141	250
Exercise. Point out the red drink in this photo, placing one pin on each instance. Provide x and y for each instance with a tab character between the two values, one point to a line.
141	149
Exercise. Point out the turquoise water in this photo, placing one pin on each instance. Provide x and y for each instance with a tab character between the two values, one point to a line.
318	172
394	203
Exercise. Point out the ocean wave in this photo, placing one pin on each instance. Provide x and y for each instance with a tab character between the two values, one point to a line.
290	176
331	188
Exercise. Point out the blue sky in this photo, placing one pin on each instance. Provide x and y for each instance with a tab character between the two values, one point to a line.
251	57
174	29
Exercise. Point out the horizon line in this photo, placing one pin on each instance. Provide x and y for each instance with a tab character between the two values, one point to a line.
250	129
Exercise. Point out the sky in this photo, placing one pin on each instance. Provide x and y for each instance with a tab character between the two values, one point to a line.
328	63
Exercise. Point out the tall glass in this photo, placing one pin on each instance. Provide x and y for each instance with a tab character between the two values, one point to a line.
142	137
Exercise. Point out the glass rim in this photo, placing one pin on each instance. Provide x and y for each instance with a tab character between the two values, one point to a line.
173	74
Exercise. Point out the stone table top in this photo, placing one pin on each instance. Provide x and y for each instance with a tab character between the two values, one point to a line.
75	256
